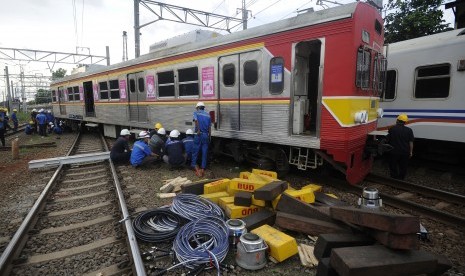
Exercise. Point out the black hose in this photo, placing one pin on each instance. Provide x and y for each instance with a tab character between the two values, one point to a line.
157	225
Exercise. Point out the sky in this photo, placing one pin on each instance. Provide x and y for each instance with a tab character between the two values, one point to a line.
83	26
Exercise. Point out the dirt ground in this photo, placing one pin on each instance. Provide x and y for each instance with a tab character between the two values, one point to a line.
20	187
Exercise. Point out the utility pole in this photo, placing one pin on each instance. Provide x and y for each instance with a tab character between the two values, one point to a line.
125	46
244	16
107	48
136	28
8	95
23	92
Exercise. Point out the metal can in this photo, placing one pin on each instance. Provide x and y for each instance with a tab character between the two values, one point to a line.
251	252
370	199
236	229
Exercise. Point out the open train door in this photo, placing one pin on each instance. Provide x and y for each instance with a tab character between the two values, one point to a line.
89	99
136	99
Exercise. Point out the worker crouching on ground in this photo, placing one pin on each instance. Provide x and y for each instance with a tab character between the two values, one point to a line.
29	128
141	154
401	139
174	151
157	126
120	152
188	144
14	118
33	119
2	128
157	142
201	138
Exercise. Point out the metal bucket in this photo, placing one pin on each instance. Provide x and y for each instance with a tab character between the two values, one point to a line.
236	230
251	252
370	199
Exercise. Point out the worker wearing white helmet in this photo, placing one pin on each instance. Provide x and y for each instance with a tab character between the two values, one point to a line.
174	150
201	137
120	152
188	144
41	119
157	142
34	121
141	154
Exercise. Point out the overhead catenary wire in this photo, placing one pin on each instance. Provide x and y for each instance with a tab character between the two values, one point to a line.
192	207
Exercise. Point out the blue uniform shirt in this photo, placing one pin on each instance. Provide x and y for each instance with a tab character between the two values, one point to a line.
28	129
41	119
13	117
204	120
50	117
2	117
139	152
57	130
174	151
188	143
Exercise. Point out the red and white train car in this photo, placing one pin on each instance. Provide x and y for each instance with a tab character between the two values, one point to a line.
298	91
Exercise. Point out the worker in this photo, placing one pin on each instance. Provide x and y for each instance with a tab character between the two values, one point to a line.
201	138
50	117
2	127
6	119
50	127
120	152
157	142
29	128
57	129
41	119
14	118
188	144
157	126
141	154
174	155
33	118
401	139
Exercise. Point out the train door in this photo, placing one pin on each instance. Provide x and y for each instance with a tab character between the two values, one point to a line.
306	72
239	83
136	99
89	99
61	100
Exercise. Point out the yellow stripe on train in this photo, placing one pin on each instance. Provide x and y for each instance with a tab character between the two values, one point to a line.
343	108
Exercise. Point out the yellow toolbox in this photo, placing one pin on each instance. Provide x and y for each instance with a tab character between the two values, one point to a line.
268	173
217	186
214	197
305	195
247	185
281	246
313	187
233	211
258	202
225	201
244	175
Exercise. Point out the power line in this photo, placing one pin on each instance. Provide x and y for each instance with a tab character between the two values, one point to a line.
295	10
218	6
267	8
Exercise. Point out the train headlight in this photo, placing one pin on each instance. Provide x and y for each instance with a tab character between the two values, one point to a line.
361	117
380	112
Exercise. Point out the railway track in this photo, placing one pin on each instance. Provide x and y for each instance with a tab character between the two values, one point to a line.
404	195
75	226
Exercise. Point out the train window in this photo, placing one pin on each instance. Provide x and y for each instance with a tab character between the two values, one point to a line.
391	85
70	94
76	93
188	81
363	68
276	75
250	72
378	27
54	96
432	81
141	84
132	85
114	89
229	74
166	84
103	90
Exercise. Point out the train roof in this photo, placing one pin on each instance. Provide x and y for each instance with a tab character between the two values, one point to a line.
429	42
301	20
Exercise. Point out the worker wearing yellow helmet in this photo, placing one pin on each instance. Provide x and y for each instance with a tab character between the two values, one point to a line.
14	118
2	127
400	137
156	127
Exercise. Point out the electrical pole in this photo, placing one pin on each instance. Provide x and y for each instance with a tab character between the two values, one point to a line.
125	46
23	92
8	95
136	28
107	48
244	16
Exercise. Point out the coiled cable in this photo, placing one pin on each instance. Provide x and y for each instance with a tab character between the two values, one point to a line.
202	241
157	225
192	207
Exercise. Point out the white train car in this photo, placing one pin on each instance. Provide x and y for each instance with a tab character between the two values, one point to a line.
426	81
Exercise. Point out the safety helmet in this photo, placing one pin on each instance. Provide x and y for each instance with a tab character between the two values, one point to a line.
51	124
158	125
161	131
403	118
189	132
200	104
49	111
41	110
15	110
31	122
175	133
144	134
124	132
34	110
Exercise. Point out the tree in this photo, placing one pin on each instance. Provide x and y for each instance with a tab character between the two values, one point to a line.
413	18
43	96
58	74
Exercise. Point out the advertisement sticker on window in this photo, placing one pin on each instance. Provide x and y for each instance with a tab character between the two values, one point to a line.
95	91
81	93
122	89
150	86
208	81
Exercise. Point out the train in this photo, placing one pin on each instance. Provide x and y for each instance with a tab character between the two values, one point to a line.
425	79
302	91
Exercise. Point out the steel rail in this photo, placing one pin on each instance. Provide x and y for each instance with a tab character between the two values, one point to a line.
14	246
134	246
408	186
20	128
406	205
